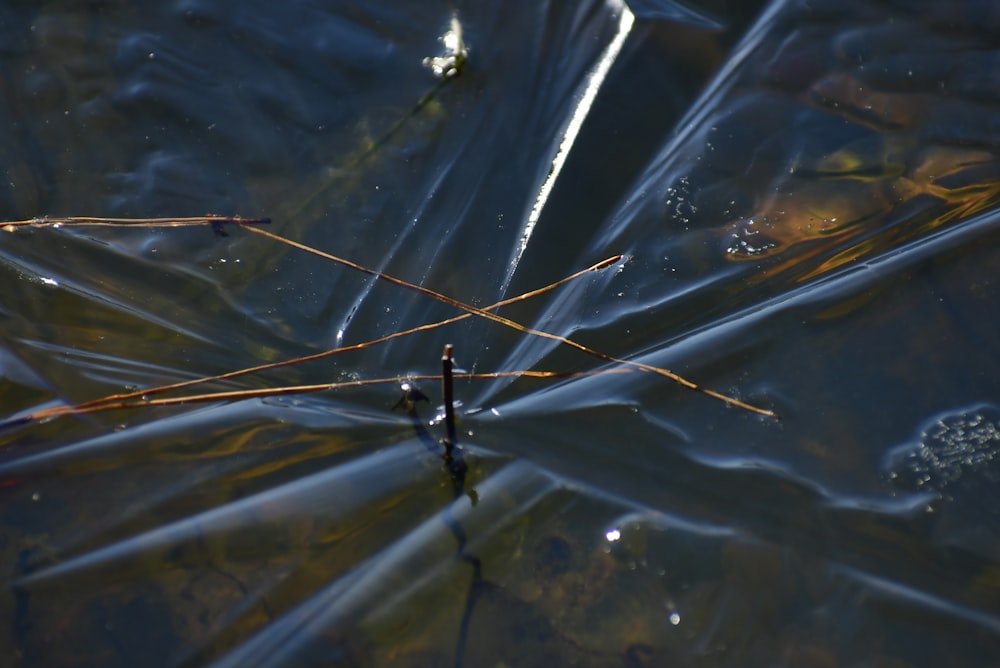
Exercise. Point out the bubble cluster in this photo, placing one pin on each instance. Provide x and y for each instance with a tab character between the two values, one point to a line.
957	449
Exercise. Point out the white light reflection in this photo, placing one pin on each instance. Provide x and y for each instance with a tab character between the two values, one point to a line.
672	615
594	82
457	53
614	535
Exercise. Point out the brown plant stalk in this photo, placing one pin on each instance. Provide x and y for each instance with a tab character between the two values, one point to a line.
666	373
141	397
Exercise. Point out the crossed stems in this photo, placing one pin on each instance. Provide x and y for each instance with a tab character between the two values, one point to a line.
142	397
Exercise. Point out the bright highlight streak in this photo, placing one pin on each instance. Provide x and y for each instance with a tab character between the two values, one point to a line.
572	129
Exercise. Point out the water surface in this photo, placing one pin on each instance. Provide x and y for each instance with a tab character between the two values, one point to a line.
806	197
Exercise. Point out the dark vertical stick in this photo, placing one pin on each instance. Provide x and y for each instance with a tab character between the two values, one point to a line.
457	469
449	401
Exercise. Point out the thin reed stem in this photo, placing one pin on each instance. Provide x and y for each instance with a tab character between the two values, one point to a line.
507	322
258	393
91	221
354	347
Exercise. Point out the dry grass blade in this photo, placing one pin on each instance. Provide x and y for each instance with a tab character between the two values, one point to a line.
91	221
345	349
138	397
141	397
666	373
259	393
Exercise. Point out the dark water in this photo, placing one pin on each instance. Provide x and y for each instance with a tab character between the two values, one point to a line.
806	193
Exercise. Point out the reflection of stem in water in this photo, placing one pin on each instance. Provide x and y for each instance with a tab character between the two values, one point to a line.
454	462
344	173
452	456
475	588
306	200
445	68
447	448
